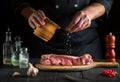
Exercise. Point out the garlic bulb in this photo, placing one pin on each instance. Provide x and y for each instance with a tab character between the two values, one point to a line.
32	71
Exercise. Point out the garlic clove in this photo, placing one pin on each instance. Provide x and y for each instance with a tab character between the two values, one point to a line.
16	74
32	71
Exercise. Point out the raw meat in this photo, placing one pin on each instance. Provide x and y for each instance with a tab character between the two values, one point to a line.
65	60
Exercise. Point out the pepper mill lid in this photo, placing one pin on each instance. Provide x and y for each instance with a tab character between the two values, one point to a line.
110	40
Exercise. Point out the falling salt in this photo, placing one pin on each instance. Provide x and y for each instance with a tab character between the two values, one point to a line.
68	44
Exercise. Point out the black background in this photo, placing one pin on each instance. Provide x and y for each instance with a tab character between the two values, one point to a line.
7	18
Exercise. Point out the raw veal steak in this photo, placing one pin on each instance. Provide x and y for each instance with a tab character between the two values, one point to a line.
65	60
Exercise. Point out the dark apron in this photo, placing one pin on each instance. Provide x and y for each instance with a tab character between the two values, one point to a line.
82	42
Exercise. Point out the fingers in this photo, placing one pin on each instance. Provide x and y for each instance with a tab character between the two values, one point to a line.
81	21
37	19
42	16
73	23
81	25
31	24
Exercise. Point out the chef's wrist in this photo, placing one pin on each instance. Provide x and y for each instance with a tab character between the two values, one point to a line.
27	11
94	10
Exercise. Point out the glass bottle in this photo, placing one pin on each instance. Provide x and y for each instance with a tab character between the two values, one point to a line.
8	48
23	58
15	55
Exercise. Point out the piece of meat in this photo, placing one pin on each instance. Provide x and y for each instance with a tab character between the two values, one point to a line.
65	60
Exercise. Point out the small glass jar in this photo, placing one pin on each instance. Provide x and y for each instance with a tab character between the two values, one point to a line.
23	58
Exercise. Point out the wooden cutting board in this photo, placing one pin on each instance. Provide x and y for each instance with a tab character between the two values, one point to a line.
77	68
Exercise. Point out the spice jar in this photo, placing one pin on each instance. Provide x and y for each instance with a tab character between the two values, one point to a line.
46	31
23	58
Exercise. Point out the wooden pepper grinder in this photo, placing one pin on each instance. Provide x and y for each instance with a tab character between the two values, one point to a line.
110	46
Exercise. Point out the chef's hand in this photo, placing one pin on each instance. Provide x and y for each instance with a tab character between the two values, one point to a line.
79	22
36	19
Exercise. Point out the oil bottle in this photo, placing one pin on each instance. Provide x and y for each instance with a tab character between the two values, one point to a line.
8	47
15	55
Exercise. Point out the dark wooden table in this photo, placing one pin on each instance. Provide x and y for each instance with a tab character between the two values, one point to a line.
91	75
